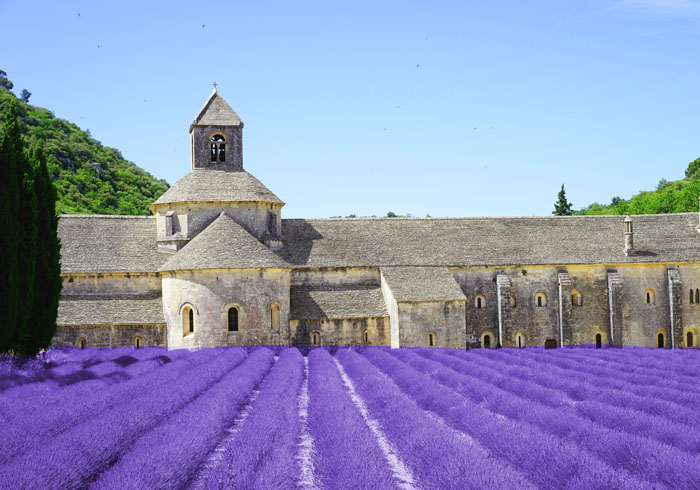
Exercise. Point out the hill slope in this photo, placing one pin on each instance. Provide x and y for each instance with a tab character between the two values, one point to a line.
677	196
90	178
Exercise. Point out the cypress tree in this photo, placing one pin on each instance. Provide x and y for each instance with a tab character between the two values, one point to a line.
11	151
41	326
26	253
562	207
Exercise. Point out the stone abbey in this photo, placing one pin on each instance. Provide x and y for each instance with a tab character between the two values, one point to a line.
217	265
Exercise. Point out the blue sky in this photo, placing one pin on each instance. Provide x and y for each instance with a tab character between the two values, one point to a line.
440	108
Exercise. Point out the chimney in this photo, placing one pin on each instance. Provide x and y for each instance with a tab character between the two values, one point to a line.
629	236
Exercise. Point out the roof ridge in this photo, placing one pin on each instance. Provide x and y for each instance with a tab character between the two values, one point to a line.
447	218
105	216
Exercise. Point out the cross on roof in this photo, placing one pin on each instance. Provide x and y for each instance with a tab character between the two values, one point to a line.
214	85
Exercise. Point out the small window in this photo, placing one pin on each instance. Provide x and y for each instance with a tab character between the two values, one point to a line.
689	339
487	341
649	297
187	321
365	337
82	343
520	340
541	299
275	318
576	298
480	301
137	342
660	340
272	223
315	338
431	339
218	148
697	296
233	319
598	341
692	297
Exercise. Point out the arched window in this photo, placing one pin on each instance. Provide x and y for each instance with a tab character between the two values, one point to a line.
660	340
480	301
275	318
598	341
137	342
520	340
540	299
487	341
692	297
576	298
82	343
550	344
218	148
649	297
315	338
431	339
365	337
689	339
233	319
187	321
697	296
512	301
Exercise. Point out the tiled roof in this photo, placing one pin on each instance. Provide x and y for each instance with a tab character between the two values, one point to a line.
224	244
409	284
216	112
111	310
103	244
205	185
556	240
308	303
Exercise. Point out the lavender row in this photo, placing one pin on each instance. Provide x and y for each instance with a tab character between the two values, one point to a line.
661	361
639	455
602	386
556	389
34	423
347	453
166	456
262	454
548	461
438	456
77	455
626	361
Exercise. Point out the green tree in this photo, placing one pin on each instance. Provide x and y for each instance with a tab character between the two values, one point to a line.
4	82
11	150
41	326
693	167
562	207
24	95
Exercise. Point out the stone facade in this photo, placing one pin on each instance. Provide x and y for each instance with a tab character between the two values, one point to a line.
217	265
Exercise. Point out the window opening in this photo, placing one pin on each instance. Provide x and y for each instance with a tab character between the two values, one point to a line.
275	318
218	148
487	341
697	296
82	343
432	339
692	297
660	340
689	339
315	338
191	316
233	319
137	342
366	337
598	341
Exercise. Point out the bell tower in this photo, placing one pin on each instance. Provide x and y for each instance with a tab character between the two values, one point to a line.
216	136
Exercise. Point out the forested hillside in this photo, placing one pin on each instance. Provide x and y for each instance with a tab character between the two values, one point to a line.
677	196
89	177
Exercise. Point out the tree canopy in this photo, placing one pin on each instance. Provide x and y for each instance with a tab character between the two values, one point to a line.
562	207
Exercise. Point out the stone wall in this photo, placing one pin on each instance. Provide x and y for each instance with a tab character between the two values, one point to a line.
105	284
444	318
211	293
341	331
111	335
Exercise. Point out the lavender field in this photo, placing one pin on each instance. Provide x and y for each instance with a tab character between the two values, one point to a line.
374	418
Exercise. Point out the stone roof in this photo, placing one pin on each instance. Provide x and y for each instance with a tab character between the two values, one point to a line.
309	303
556	240
104	244
411	284
224	244
111	310
205	185
216	112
